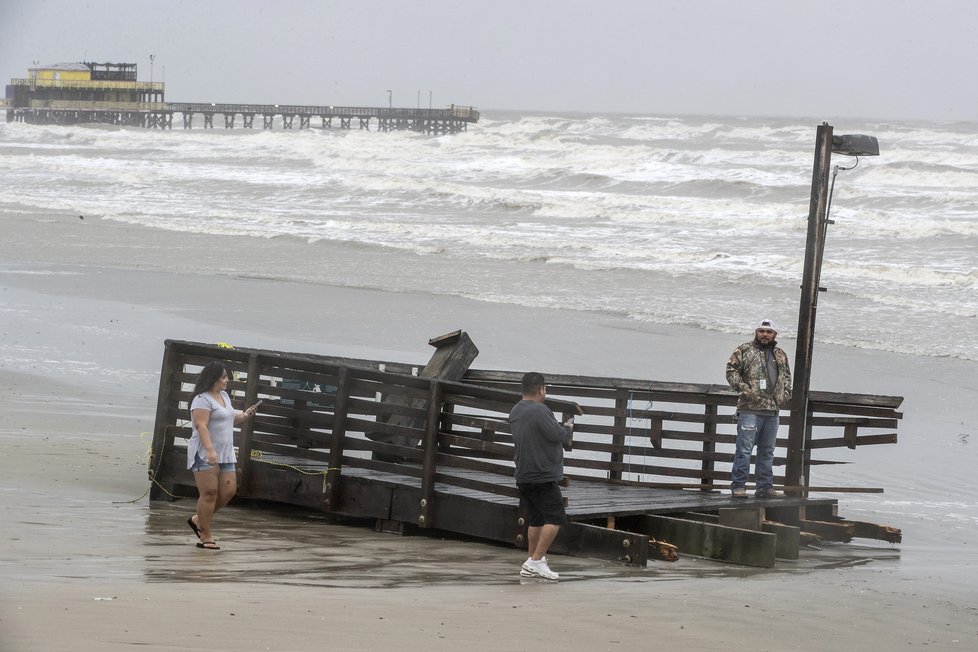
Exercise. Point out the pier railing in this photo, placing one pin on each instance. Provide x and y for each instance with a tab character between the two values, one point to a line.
332	417
86	84
467	114
684	435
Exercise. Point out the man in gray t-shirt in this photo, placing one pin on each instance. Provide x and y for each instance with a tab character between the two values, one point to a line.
538	450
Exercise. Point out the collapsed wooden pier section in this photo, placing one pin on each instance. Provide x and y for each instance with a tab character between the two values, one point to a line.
428	448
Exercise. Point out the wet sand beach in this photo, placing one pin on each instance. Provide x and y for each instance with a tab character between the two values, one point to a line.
87	563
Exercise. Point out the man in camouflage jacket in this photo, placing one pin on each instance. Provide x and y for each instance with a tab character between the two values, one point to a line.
759	371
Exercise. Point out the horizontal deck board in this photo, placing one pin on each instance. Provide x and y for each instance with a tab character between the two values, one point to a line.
586	500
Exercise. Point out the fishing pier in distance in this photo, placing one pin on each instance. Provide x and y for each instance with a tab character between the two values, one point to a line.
109	93
428	448
430	121
160	116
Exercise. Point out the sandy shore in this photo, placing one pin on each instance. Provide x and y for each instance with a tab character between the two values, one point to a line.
85	568
88	563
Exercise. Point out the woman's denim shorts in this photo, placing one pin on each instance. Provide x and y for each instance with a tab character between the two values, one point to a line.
200	464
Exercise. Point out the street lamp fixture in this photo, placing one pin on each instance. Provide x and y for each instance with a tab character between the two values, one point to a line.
851	145
390	100
855	145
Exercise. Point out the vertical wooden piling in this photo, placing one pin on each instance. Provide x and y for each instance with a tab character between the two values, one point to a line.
166	405
335	469
248	427
428	470
709	445
619	431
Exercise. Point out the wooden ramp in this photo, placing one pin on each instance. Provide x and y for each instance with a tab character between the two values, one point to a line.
648	463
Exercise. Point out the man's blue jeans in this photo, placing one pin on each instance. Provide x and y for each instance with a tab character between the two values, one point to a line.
760	430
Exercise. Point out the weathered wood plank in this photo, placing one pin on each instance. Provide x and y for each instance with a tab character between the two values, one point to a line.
788	539
454	353
861	440
863	530
583	540
829	530
744	518
709	540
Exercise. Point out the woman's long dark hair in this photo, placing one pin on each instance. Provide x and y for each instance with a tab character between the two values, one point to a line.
210	374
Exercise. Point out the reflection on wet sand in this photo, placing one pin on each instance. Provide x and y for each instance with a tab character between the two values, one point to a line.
295	547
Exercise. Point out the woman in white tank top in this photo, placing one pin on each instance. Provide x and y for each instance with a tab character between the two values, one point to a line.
210	450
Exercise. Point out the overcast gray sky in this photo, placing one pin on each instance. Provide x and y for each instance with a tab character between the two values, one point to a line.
887	59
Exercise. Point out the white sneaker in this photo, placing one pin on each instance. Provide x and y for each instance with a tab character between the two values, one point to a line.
539	568
543	570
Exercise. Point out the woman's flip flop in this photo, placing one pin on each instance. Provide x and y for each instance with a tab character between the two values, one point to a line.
208	545
193	526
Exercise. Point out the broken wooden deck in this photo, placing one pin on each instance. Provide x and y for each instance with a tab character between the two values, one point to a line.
396	443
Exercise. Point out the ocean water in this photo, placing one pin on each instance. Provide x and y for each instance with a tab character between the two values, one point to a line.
674	220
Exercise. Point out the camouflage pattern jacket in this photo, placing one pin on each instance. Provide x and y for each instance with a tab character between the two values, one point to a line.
747	373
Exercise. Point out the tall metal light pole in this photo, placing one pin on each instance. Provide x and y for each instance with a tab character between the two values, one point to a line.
152	57
825	144
390	100
806	310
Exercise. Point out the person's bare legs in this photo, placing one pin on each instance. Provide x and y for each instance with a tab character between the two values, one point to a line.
208	490
539	540
227	486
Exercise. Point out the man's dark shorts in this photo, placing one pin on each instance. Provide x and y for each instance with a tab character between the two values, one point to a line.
544	504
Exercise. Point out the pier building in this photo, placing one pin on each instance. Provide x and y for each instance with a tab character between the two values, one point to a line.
73	93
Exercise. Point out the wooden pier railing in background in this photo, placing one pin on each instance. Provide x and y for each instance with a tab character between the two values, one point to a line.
431	121
324	438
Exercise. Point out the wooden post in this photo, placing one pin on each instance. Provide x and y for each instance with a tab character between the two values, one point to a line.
618	433
166	404
248	427
655	431
335	470
709	445
428	470
814	247
454	353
